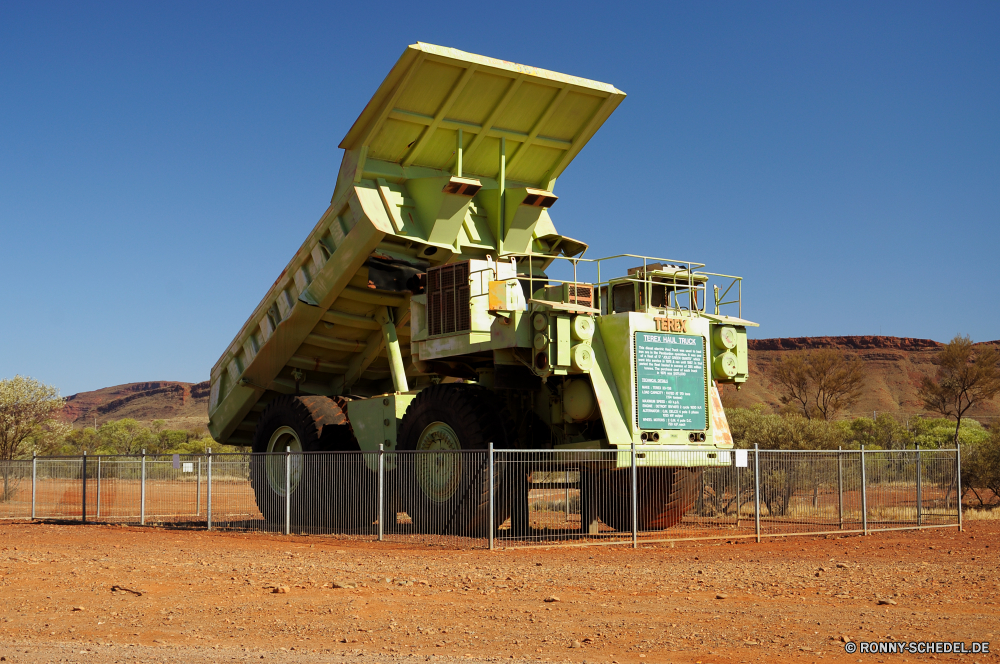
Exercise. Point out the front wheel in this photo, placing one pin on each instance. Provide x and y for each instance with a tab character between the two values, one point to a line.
664	495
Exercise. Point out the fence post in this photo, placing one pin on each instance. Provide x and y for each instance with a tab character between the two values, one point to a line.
381	492
840	485
98	517
288	490
864	493
756	489
142	492
83	492
566	498
920	492
701	493
958	483
34	481
208	497
635	500
739	491
492	524
197	500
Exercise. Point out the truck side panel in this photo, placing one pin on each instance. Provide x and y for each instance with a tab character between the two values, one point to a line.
369	228
606	389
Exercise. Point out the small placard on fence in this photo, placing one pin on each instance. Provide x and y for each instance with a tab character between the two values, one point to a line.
740	457
187	467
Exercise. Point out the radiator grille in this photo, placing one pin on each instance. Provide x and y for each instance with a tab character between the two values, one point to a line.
448	299
582	294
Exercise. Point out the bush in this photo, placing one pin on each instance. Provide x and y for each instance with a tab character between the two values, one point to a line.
128	436
768	431
980	447
793	432
981	468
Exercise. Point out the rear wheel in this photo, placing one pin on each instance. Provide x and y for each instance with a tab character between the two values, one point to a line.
445	489
322	490
664	496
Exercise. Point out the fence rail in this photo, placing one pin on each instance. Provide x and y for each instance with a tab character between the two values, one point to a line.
505	498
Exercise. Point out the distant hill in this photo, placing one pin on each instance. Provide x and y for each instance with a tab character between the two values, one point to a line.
181	405
896	366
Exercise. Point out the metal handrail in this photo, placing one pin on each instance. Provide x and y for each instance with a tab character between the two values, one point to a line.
688	268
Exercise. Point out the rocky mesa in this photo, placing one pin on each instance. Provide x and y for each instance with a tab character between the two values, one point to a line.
896	367
180	405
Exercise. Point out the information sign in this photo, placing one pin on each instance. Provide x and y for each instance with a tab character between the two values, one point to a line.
670	381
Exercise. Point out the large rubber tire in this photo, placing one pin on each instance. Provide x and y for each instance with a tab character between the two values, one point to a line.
664	496
447	492
324	488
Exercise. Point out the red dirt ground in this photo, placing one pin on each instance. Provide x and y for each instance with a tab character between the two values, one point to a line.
208	597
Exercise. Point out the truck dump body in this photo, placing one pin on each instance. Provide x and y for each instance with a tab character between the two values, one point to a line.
454	158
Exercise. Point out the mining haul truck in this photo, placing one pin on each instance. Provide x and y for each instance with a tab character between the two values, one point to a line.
423	312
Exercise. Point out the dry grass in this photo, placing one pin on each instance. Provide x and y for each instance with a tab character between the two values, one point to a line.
976	514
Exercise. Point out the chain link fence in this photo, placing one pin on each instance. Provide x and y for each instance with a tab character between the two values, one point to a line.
500	498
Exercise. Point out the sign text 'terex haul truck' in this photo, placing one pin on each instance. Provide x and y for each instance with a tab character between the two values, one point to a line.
423	310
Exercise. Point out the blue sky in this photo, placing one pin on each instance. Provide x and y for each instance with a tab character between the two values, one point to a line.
161	162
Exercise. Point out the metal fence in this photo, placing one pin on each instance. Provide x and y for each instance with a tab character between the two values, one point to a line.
500	498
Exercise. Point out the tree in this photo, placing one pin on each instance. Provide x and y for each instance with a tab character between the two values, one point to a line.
82	440
26	414
881	433
50	438
125	436
27	407
966	376
819	383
